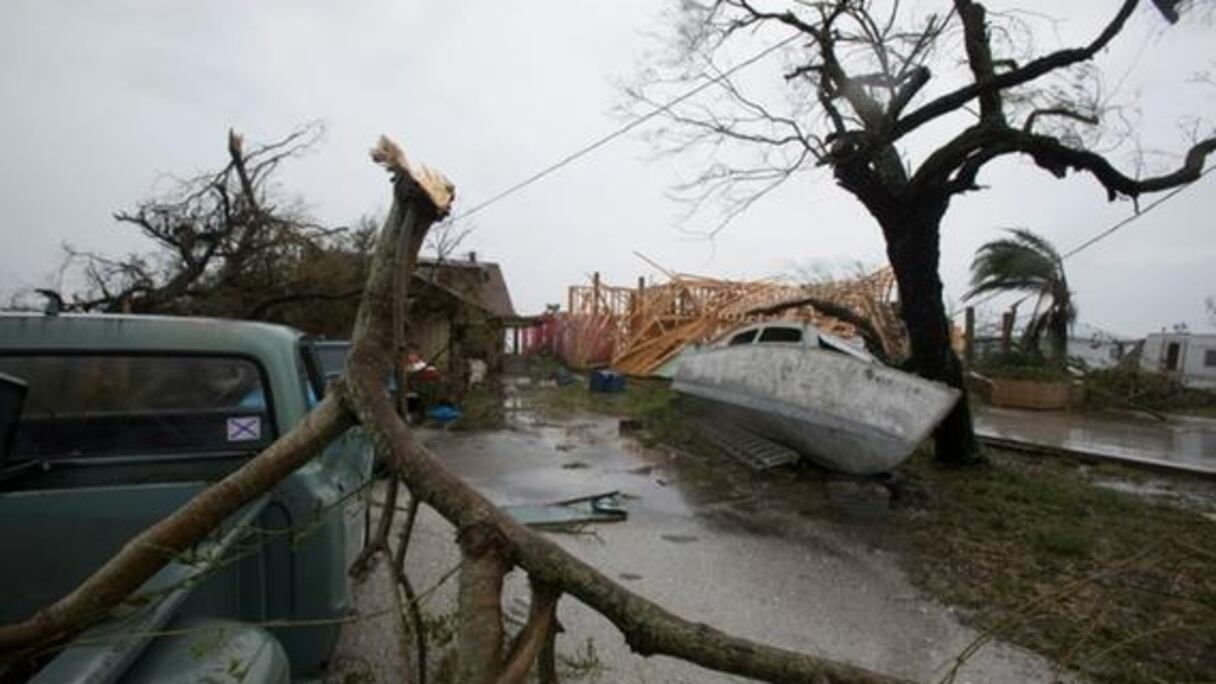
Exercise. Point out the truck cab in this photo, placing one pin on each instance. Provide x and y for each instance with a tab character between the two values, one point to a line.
112	423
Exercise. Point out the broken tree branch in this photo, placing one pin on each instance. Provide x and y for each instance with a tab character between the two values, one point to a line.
1010	79
649	629
533	637
865	327
479	632
407	587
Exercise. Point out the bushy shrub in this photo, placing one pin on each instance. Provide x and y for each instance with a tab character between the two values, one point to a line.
1130	385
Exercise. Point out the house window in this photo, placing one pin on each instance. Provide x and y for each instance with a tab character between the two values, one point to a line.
1209	358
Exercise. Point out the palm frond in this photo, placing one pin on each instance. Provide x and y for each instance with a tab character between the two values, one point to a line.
1027	262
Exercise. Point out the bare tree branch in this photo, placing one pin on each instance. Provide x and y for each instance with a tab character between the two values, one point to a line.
1010	79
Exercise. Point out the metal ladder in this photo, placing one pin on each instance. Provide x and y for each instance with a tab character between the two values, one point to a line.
745	446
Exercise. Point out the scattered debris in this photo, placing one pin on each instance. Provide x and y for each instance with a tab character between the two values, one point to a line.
680	538
603	507
443	413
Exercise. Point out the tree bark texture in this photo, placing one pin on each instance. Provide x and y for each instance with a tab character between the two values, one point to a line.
479	630
911	222
537	633
913	250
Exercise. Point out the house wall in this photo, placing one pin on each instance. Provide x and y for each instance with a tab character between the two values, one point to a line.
430	340
1196	365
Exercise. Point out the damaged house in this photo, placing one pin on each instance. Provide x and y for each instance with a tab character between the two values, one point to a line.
458	314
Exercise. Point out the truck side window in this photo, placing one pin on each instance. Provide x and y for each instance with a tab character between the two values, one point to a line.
98	404
744	337
781	335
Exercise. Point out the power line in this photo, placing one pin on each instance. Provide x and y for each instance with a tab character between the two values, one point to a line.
1152	205
1109	231
630	125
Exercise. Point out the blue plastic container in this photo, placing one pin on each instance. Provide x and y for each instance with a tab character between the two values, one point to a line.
607	382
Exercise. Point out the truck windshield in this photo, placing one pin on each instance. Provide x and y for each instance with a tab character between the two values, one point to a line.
329	357
82	405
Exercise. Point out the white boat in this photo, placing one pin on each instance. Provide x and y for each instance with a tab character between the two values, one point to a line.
816	393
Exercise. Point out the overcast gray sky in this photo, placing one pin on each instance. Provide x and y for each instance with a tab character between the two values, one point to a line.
102	99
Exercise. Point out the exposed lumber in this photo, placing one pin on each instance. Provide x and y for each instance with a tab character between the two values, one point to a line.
637	330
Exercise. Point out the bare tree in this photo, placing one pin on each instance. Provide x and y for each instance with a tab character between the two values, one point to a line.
446	238
856	99
228	243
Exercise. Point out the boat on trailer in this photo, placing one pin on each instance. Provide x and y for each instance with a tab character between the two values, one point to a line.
823	396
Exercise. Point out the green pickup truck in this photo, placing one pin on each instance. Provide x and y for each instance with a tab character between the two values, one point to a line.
110	423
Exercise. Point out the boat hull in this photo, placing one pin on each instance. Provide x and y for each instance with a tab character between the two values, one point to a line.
837	411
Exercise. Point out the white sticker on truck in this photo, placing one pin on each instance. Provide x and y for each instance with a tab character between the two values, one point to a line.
244	428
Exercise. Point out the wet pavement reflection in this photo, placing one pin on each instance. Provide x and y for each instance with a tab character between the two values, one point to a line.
1181	441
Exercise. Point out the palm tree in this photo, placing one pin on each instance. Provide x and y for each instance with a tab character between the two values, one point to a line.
1025	262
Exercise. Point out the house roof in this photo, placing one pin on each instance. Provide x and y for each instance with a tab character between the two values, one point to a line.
479	283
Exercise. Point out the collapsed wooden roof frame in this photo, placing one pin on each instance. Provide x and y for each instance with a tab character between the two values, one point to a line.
650	324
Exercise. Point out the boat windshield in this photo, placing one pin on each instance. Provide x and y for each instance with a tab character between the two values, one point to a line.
744	337
781	334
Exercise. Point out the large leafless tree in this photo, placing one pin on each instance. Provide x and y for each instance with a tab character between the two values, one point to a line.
874	91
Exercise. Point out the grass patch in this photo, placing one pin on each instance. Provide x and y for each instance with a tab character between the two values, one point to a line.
1115	586
584	663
